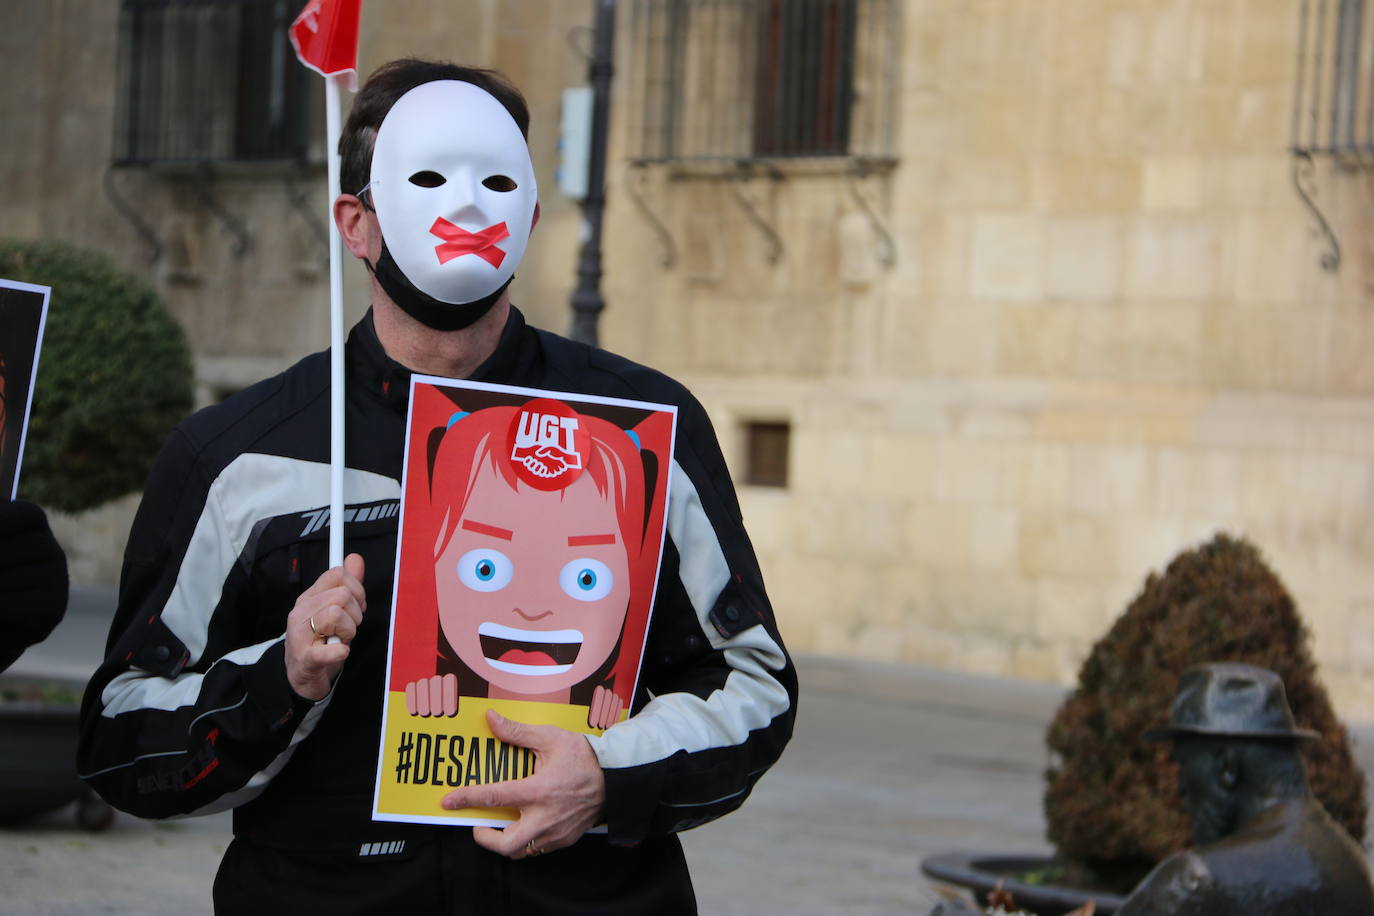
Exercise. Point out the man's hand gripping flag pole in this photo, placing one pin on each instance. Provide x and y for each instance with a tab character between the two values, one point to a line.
325	36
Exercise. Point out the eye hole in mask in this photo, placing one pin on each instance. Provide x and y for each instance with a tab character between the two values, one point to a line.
499	183
427	179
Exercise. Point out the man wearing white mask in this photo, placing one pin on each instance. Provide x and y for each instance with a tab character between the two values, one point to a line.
220	688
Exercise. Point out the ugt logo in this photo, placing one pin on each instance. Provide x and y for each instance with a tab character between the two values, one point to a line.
548	444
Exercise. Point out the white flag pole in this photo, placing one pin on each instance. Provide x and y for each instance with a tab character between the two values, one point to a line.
336	338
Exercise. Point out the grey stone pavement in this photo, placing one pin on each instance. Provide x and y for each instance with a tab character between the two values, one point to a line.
889	764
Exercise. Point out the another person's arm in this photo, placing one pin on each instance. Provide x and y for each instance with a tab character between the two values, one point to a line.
33	579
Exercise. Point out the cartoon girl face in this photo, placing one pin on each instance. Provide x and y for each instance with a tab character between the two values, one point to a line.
533	586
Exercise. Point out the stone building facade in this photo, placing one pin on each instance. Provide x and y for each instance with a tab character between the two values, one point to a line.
1041	309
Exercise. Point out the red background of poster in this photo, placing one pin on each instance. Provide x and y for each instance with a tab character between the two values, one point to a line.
415	627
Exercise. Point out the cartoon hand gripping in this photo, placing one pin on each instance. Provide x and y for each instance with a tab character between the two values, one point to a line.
433	696
605	709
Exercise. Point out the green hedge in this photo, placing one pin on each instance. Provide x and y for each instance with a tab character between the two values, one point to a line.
114	376
1112	799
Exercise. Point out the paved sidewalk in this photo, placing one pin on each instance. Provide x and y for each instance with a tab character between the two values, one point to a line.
889	764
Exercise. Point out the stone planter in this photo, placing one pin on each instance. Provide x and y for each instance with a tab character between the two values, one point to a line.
38	731
981	872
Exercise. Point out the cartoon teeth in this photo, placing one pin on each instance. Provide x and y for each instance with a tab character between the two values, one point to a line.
535	653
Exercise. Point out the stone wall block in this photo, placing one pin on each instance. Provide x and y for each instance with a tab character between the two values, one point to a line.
1172	184
1111	479
949	244
941	535
1083	256
1173	259
1070	544
1240	349
1076	184
963	340
1147	542
994	537
900	466
984	182
1250	181
980	603
1269	259
1069	610
1008	258
969	470
1038	474
1041	662
904	348
1037	340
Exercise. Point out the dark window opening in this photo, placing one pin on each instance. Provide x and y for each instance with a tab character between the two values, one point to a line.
805	85
203	81
743	79
1333	98
768	445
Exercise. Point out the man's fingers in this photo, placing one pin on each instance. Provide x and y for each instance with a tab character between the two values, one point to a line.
333	620
354	566
322	655
509	842
345	600
349	576
515	793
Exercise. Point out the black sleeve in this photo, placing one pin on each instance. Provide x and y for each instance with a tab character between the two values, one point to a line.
33	579
186	714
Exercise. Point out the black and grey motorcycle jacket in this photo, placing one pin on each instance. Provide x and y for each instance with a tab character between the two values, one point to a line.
191	711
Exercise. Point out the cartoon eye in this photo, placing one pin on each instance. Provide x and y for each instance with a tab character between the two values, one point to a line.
586	579
485	570
427	179
499	183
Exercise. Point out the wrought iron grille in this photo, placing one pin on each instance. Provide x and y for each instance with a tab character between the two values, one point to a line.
204	81
752	79
1333	110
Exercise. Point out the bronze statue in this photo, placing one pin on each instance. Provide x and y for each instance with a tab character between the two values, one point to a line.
1265	845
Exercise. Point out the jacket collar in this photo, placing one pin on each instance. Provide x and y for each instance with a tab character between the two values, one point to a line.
385	378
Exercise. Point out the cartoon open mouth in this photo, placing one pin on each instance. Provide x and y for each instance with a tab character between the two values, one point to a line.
531	652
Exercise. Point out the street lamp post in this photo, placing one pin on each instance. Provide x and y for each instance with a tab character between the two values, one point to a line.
587	301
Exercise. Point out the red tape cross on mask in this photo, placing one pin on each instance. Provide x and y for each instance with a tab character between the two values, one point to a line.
458	241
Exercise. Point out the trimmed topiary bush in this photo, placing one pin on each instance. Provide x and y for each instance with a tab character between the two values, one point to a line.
1112	799
114	376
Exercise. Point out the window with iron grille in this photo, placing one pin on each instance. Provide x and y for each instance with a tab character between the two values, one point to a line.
205	81
760	79
767	444
1333	111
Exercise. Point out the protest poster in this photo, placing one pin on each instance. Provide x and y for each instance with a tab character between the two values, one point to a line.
23	313
532	528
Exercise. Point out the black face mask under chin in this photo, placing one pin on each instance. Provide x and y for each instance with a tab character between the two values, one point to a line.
424	308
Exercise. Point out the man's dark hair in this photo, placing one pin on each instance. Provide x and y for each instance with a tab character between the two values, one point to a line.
388	83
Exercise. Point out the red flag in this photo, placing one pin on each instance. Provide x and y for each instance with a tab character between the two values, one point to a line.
325	36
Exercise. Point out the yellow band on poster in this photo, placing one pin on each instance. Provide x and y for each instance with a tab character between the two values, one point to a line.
426	757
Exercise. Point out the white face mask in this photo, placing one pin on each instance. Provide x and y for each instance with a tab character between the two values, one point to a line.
454	190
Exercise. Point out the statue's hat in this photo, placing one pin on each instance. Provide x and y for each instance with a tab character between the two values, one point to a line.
1229	699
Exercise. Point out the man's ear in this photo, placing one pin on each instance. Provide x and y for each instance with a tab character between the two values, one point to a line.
354	226
535	222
